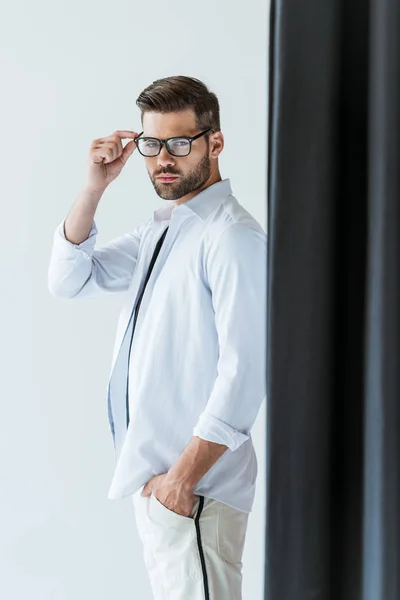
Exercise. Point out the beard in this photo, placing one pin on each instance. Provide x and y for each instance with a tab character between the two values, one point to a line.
186	183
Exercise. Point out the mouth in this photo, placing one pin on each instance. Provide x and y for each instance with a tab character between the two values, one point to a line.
167	178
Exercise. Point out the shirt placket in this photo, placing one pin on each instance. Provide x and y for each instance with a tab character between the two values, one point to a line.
118	411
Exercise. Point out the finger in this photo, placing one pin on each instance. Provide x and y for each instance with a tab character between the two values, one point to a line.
114	149
99	155
146	491
101	152
128	150
126	133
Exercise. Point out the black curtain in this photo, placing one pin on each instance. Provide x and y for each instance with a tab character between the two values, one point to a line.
333	451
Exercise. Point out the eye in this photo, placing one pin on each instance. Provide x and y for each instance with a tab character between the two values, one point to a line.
179	142
150	143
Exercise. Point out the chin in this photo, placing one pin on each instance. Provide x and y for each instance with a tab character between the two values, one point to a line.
163	191
164	194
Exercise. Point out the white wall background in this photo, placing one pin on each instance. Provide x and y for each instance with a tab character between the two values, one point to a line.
70	72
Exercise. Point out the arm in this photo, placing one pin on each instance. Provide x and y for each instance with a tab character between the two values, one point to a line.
78	223
197	458
174	489
79	270
236	268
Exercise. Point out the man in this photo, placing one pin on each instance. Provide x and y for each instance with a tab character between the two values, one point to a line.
188	372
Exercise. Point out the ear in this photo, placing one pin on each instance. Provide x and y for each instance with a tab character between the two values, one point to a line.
216	144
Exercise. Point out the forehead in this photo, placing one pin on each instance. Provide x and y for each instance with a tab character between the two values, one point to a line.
164	125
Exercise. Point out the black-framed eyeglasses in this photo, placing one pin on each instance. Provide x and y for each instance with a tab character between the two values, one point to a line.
177	146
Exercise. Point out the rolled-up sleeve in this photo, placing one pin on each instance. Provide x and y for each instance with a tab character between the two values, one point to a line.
82	270
236	269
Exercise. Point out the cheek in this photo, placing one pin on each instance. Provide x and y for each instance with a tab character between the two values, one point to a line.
151	165
188	164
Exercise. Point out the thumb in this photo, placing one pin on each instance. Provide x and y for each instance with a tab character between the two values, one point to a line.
128	150
146	491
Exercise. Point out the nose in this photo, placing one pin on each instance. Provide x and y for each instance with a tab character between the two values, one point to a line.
165	158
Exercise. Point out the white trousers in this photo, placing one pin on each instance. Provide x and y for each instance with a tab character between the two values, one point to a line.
192	558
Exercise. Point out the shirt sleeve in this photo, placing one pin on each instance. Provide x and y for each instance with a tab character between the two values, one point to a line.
83	271
237	274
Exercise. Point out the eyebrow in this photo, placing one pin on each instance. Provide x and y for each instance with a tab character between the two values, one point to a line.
169	136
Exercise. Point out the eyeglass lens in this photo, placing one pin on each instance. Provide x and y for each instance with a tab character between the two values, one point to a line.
177	147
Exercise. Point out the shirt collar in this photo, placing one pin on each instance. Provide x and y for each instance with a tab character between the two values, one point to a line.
202	204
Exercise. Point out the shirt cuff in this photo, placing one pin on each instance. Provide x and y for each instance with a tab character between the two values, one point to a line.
86	247
214	430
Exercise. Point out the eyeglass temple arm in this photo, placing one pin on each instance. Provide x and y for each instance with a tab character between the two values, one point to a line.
201	133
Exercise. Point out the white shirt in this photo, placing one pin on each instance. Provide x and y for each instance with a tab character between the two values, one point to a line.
197	363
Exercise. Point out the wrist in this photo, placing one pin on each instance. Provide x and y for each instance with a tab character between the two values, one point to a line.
93	193
180	480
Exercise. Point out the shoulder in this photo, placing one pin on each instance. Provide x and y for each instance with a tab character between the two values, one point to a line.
240	244
234	229
232	222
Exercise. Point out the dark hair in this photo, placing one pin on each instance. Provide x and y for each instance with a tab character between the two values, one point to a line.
172	94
